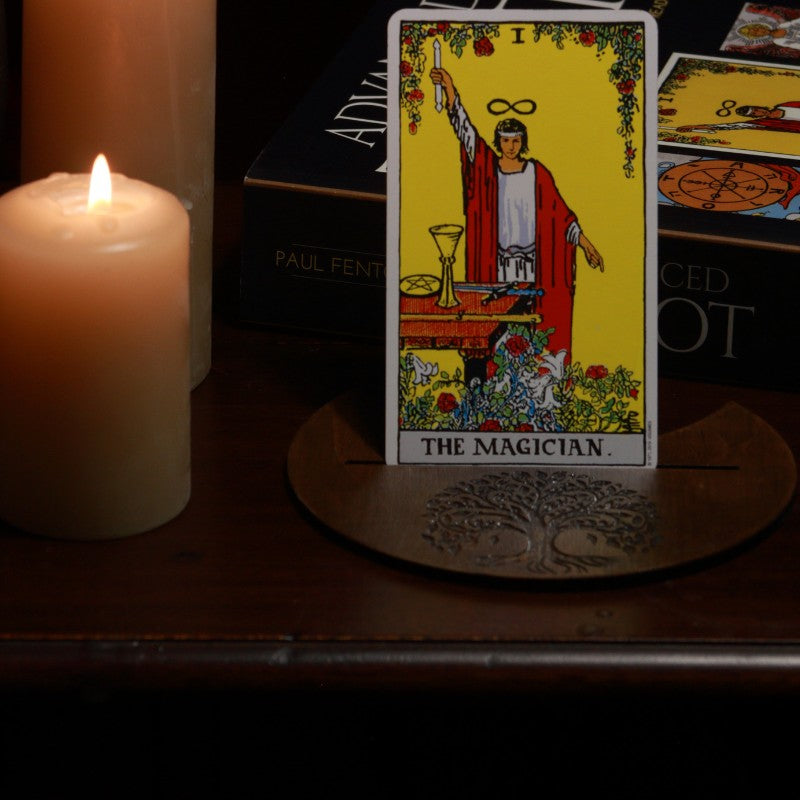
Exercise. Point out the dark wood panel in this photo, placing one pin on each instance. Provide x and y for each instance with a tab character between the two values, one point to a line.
245	562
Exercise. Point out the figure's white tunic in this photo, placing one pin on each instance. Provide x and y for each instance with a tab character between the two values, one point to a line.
516	210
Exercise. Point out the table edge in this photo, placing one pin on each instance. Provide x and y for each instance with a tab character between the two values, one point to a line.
380	666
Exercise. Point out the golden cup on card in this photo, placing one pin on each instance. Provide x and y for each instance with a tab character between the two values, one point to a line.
447	238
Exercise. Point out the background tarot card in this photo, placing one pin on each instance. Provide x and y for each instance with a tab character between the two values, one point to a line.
730	105
765	30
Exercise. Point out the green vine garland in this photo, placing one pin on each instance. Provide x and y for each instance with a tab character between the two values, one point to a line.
627	43
412	65
625	40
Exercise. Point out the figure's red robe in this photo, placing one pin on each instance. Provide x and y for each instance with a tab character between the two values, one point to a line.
555	256
780	124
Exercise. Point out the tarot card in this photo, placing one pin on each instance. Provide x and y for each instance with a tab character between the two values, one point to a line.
751	188
763	30
521	238
729	105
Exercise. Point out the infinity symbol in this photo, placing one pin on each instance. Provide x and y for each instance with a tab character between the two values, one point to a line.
725	111
499	106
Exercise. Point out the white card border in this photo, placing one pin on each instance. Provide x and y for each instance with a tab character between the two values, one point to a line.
649	436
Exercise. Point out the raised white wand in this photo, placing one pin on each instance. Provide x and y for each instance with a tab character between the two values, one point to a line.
437	63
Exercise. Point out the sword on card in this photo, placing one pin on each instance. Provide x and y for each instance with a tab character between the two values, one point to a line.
495	292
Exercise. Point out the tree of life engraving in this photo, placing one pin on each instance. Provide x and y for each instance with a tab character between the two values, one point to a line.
518	518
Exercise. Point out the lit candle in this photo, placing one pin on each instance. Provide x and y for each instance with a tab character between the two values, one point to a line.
136	81
94	357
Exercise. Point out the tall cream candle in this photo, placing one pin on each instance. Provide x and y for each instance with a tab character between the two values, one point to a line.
134	79
94	358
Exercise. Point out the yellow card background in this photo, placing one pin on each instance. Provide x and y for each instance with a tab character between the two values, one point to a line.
573	133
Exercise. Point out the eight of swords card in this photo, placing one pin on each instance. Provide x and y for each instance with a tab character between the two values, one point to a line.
521	238
729	105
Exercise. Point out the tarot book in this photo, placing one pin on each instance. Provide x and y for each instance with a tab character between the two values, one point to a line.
314	251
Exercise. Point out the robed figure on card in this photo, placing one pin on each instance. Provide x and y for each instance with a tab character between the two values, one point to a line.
518	226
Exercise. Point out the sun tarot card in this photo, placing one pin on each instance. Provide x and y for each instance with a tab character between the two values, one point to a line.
730	106
521	238
765	31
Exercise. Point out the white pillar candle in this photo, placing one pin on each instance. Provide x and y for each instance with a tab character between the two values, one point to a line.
94	358
134	79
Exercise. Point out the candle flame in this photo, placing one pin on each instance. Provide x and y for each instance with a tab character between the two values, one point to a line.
100	185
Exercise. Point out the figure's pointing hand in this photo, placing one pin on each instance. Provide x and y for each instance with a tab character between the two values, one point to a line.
592	254
595	260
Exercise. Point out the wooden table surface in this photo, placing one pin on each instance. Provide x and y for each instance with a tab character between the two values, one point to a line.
244	589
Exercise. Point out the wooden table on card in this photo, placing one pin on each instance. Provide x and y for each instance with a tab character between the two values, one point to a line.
472	327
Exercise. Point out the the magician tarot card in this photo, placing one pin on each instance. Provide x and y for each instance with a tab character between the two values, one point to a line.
521	238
